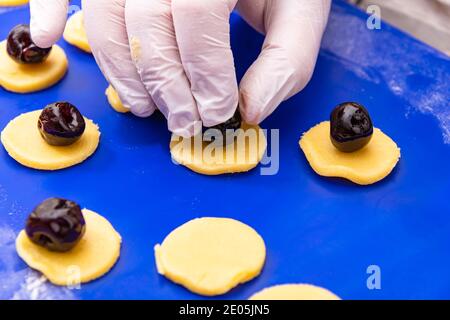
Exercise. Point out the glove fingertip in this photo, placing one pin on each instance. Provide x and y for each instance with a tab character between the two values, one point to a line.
48	20
43	38
249	108
139	104
143	109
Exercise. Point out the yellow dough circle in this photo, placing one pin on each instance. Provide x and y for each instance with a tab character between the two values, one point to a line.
11	3
366	166
210	256
75	34
249	148
23	141
294	292
95	254
114	100
25	78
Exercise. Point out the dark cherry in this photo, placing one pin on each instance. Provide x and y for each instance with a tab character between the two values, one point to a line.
351	127
56	224
61	124
22	49
234	123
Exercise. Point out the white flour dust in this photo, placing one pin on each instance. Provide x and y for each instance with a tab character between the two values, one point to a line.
21	283
402	64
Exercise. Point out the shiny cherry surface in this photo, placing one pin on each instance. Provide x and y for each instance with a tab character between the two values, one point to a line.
56	224
22	49
61	124
351	127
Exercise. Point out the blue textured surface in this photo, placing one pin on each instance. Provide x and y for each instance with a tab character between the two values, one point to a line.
317	230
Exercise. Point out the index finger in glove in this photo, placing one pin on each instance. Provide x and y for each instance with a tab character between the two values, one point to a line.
294	30
48	19
203	35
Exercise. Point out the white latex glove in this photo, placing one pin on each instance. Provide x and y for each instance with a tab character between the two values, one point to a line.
293	30
175	54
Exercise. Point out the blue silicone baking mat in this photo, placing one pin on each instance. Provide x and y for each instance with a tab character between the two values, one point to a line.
317	230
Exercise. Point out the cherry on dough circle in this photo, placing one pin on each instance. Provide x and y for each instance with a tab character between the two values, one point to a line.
366	166
26	78
24	143
93	256
249	148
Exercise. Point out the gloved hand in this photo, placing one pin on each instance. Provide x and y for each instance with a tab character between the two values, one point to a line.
175	55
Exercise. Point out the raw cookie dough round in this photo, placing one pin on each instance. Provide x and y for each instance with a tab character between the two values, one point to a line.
25	78
114	100
24	143
75	34
294	292
210	256
11	3
366	166
248	152
95	254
